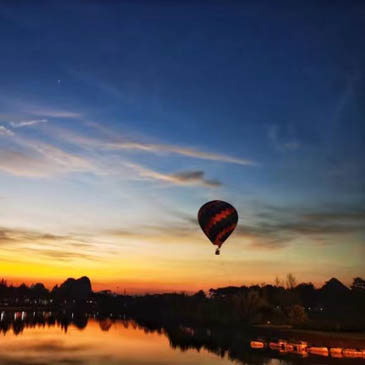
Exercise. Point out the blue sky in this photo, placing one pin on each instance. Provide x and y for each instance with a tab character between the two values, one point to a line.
118	120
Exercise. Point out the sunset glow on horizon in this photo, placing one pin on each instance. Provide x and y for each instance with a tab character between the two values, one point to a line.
116	129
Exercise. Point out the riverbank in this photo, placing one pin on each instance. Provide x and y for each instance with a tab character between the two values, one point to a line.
318	338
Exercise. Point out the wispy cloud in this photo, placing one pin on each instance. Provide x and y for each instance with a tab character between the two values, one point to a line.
183	151
5	131
16	235
62	255
195	177
262	236
63	159
162	232
313	228
182	178
27	107
352	215
118	143
20	164
277	227
54	246
54	113
47	161
32	158
26	123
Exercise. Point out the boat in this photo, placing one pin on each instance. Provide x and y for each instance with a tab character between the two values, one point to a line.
336	350
299	346
302	353
257	344
321	351
288	347
352	353
278	345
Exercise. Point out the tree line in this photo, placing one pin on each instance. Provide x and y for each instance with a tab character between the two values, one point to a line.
331	307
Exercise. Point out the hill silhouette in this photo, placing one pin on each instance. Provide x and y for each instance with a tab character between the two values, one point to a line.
335	286
74	288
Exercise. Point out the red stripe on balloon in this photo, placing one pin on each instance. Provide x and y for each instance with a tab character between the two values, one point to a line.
215	219
222	233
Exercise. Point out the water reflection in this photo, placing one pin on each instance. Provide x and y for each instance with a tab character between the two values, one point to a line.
47	338
18	321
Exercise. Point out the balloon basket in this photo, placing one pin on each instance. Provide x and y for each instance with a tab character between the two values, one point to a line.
217	252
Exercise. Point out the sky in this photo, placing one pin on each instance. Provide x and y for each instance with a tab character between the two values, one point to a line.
118	120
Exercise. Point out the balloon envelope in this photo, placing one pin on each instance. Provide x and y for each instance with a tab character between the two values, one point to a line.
218	220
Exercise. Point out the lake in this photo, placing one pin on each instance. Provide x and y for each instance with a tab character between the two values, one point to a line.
101	342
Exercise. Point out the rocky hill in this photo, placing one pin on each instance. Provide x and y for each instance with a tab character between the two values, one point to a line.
74	288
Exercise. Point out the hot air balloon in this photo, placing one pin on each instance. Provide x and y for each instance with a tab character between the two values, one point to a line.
218	220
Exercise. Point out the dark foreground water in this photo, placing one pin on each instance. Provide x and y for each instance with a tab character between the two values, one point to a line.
96	342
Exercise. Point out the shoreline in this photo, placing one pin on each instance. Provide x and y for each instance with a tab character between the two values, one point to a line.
316	337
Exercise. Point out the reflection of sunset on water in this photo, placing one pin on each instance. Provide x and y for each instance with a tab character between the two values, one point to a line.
79	340
123	343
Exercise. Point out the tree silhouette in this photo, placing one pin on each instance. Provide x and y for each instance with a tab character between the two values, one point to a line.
358	284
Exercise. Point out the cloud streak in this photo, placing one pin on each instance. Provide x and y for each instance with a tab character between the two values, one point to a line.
188	152
47	161
38	159
15	235
195	177
52	113
155	148
277	227
182	178
20	164
354	215
5	131
25	106
26	123
61	158
61	247
62	255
